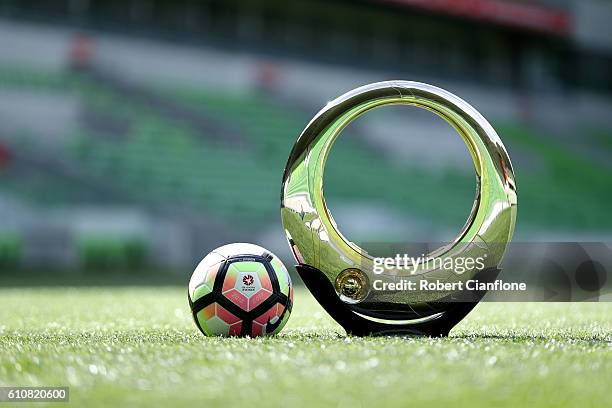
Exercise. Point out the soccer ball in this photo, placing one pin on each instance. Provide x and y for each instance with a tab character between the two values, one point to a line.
240	290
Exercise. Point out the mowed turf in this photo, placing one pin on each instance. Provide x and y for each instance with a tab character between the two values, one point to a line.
139	347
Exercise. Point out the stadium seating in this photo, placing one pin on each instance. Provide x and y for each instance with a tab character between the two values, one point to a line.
159	160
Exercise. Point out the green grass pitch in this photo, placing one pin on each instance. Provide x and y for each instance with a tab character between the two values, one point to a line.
139	347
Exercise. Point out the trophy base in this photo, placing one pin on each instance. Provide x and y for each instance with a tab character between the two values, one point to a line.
450	314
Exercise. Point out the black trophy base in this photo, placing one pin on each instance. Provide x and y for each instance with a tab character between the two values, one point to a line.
450	312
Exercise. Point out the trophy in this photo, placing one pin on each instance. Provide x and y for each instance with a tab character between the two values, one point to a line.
342	276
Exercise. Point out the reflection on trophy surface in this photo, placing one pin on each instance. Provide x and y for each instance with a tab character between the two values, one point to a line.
321	249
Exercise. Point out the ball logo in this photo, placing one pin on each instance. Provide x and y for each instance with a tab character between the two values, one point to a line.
248	280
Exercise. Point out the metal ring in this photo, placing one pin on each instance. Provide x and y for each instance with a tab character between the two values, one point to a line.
314	236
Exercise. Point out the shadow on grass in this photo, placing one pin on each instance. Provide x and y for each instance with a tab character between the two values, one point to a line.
565	335
310	336
519	338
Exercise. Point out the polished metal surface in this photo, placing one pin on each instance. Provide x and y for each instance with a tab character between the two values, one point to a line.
316	240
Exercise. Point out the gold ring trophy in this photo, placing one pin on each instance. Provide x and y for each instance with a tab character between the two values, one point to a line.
341	275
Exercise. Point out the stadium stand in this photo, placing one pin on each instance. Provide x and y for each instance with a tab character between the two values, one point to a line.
159	158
